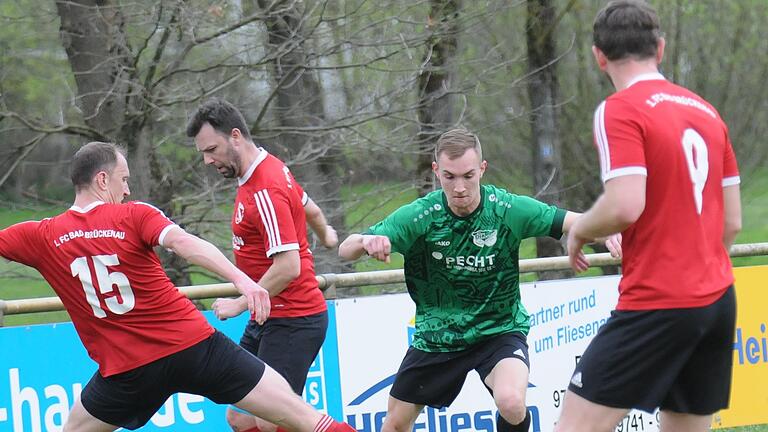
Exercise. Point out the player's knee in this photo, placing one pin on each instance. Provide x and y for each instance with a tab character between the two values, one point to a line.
512	407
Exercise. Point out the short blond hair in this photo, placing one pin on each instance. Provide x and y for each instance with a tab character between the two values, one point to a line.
456	142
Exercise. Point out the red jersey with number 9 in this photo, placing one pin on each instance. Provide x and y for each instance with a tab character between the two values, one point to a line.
674	255
100	262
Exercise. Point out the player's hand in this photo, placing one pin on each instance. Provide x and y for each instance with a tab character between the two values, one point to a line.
576	255
613	243
254	298
331	237
225	308
377	246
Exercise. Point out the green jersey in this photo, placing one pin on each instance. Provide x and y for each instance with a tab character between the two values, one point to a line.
462	272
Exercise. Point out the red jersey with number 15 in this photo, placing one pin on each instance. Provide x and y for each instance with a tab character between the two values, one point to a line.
674	255
269	218
100	262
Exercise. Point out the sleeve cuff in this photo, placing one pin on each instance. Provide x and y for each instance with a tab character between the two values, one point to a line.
556	230
731	181
282	248
630	170
163	233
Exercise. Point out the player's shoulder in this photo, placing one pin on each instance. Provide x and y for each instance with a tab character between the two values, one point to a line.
135	207
423	208
270	173
496	195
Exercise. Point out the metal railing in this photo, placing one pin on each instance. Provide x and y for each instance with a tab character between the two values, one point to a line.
329	282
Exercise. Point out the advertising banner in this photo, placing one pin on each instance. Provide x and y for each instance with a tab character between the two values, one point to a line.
44	367
565	315
749	395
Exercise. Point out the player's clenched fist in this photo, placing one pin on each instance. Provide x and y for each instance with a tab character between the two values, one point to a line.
377	246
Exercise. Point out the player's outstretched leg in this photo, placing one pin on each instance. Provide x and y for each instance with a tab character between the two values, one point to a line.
400	415
508	381
80	420
672	421
273	400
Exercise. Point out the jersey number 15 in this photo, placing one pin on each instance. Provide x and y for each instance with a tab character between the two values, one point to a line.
107	281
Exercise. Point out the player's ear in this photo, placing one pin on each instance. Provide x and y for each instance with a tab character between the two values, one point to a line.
236	136
435	168
600	58
101	179
483	166
660	50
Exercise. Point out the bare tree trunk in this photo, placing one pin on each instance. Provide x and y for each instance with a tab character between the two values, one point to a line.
543	90
435	112
113	101
298	103
92	35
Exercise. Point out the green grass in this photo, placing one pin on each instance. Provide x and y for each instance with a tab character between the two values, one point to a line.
756	428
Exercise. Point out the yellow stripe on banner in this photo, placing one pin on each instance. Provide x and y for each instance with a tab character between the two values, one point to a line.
749	392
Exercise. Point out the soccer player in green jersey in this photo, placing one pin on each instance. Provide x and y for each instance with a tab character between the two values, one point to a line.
461	247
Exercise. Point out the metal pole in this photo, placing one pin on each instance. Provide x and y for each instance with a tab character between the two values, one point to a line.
335	280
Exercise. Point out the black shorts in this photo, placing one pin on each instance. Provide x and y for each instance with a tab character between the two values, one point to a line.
435	379
288	345
215	368
676	359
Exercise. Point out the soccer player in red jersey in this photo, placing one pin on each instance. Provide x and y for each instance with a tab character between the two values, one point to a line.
671	186
269	237
148	339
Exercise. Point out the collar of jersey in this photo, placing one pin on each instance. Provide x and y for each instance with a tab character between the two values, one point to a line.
651	76
87	208
260	158
474	212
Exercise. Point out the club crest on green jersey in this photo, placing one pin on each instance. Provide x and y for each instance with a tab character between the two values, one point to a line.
484	238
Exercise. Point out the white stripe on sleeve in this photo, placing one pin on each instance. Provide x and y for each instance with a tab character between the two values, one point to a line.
264	213
630	170
731	181
275	226
601	138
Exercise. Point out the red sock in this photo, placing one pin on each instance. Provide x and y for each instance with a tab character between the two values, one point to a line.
279	429
328	424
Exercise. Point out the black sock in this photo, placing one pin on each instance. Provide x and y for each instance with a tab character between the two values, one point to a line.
503	425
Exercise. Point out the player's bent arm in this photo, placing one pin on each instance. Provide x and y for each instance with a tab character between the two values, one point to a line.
352	247
570	218
732	214
620	205
286	266
200	252
612	242
317	221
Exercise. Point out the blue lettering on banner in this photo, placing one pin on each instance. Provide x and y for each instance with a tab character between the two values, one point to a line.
752	349
49	367
431	419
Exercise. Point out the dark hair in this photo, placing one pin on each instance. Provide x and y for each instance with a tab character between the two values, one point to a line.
92	158
221	115
456	142
626	28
